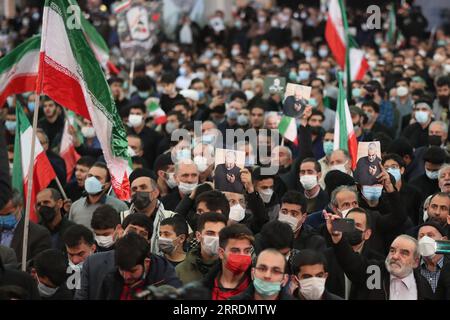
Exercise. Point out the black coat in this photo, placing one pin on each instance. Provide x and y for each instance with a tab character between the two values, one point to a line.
443	286
171	200
425	185
5	186
336	277
356	266
308	238
38	240
417	136
161	272
9	277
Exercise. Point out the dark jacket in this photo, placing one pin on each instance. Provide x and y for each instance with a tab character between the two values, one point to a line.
336	279
417	136
38	240
308	238
356	266
5	181
63	293
8	257
161	273
95	267
443	286
56	234
9	277
425	185
171	200
193	268
250	293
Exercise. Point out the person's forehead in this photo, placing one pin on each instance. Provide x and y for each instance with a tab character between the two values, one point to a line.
329	135
233	196
429	229
271	260
134	140
440	200
166	228
390	162
265	182
141	181
215	226
307	166
403	244
44	195
238	243
290	206
346	195
187	168
97	171
339	155
312	269
435	127
358	217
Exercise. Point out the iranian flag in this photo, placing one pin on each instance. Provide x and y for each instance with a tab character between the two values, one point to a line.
344	134
19	69
70	74
336	33
121	6
288	129
43	172
67	149
156	112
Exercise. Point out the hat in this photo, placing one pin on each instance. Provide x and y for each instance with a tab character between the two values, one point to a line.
433	224
190	94
141	172
336	178
356	110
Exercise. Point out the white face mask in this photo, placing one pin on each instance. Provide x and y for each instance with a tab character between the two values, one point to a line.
427	247
237	213
290	220
171	183
104	241
308	181
211	245
88	132
201	163
266	195
76	267
135	120
402	91
345	212
312	288
187	188
45	291
340	167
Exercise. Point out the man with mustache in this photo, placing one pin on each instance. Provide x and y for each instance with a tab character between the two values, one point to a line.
396	278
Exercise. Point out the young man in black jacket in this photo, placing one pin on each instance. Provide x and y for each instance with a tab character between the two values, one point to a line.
396	278
136	268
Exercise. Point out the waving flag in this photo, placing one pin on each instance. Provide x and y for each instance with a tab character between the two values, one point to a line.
344	134
19	69
67	149
288	129
43	172
344	49
70	74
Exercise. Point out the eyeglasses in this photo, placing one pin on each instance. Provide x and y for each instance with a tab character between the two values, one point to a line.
274	271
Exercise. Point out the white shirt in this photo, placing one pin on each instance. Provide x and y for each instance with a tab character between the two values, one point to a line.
403	289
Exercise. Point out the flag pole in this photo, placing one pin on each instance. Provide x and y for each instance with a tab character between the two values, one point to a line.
131	76
26	224
60	187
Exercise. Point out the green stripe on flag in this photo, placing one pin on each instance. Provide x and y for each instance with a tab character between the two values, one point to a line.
284	124
340	109
93	35
32	44
22	124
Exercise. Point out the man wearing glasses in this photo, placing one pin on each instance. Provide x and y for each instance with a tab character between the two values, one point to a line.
269	278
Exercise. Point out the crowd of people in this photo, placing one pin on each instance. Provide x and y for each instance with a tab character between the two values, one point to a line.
276	238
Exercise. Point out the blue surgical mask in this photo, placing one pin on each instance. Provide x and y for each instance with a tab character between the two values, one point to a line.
421	116
143	94
201	95
227	83
31	106
242	120
92	185
232	114
328	147
303	75
10	125
208	139
396	173
266	288
323	53
295	46
432	175
313	102
45	291
293	76
372	193
264	48
8	222
356	92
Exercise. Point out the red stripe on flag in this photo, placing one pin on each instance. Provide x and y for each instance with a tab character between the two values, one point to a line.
353	148
70	157
43	174
337	47
64	89
362	70
18	85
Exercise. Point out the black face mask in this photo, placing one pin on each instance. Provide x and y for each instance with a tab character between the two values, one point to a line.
443	100
47	213
434	140
141	200
354	237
